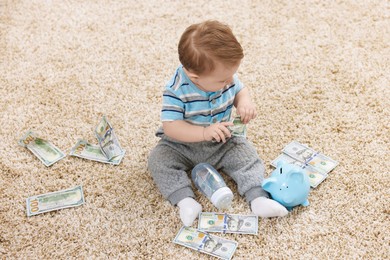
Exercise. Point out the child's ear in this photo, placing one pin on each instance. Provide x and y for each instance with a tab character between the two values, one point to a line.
191	75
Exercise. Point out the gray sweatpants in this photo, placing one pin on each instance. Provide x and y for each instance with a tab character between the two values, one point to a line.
171	160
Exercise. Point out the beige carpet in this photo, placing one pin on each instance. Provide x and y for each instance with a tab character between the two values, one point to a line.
318	72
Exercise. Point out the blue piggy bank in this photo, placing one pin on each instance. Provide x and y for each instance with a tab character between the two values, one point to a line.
289	185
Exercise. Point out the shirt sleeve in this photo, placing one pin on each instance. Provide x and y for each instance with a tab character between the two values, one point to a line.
238	84
172	107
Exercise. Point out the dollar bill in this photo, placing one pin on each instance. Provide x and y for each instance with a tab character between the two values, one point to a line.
306	155
322	163
286	159
107	139
88	151
239	128
315	164
47	152
315	177
206	243
299	151
55	200
228	223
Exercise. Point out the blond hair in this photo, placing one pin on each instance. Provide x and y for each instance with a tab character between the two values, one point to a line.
202	44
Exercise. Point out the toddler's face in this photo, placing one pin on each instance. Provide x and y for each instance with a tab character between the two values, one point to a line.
217	79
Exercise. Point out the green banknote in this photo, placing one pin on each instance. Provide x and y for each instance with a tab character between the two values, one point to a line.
108	141
308	156
85	150
47	152
206	243
228	223
315	164
55	200
315	176
239	128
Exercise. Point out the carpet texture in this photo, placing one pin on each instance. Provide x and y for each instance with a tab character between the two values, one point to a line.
318	72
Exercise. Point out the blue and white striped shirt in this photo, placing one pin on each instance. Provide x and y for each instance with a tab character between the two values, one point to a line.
183	100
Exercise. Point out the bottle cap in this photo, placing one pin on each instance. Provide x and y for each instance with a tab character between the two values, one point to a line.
222	198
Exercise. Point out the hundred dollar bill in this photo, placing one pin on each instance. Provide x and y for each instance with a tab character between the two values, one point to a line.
206	243
299	151
55	200
239	128
309	156
88	151
228	223
107	139
315	176
47	152
322	163
286	159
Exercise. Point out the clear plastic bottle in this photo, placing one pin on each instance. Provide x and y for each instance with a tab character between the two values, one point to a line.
210	183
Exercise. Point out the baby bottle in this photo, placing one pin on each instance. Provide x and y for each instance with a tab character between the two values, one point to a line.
210	183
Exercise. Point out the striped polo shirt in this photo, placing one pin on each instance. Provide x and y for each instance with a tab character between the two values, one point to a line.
183	100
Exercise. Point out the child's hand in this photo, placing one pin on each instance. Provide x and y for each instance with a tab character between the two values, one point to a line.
218	132
247	112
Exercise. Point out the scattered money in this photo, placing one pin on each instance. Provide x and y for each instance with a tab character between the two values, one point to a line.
315	164
85	150
108	150
47	152
239	128
315	177
55	200
228	223
309	156
299	151
206	243
107	139
322	163
287	159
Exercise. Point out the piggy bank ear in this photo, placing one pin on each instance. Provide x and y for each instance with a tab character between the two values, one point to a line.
297	176
268	183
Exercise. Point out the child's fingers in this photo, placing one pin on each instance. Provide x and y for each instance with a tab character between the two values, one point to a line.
227	124
244	116
226	132
247	115
220	136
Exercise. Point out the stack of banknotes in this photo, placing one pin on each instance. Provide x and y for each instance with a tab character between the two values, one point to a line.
55	200
107	151
315	164
200	240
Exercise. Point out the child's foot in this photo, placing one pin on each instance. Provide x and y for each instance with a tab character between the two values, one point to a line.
189	210
267	208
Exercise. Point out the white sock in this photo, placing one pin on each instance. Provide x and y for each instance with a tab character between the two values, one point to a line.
189	210
268	208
